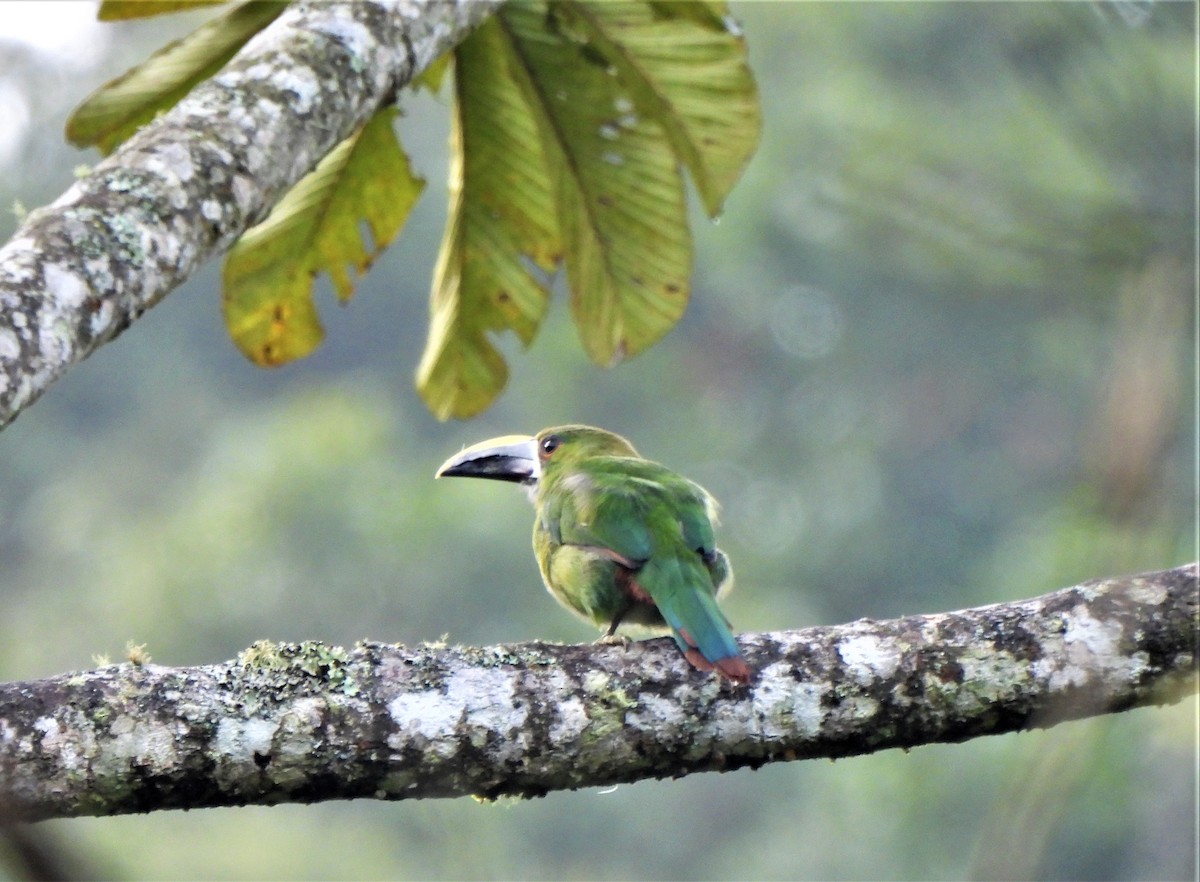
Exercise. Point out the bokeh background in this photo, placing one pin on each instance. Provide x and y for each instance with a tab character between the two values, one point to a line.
940	353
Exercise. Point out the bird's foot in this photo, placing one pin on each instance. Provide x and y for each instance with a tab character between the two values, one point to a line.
613	640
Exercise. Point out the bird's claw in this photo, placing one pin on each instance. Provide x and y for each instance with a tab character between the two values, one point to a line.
613	640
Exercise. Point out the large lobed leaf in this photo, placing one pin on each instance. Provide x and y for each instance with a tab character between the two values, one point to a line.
118	108
572	119
501	215
269	273
599	102
685	66
627	247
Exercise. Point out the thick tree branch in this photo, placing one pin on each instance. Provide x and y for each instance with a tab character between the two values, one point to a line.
310	722
79	271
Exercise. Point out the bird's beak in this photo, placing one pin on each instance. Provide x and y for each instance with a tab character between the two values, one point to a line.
508	458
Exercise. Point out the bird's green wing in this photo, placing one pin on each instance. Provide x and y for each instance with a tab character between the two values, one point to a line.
602	506
660	523
695	508
620	503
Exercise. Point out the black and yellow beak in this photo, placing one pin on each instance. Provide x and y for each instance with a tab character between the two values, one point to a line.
507	458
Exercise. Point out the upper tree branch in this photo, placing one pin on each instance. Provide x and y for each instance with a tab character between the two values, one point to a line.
79	271
310	722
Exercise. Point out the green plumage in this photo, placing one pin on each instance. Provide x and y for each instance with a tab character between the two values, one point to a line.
620	540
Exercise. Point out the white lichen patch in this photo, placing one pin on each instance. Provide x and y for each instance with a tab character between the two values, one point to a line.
1149	593
734	724
99	271
56	341
298	725
67	288
239	740
869	657
855	710
149	745
654	712
259	72
807	710
16	260
301	82
488	694
426	714
172	160
1088	646
476	702
50	730
784	707
100	323
58	743
10	346
244	192
596	682
571	722
355	36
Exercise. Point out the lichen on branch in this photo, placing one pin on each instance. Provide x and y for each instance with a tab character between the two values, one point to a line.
306	722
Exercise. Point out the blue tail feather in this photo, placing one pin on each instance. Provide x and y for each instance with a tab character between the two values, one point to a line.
688	605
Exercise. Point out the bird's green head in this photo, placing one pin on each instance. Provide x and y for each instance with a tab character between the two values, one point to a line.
524	459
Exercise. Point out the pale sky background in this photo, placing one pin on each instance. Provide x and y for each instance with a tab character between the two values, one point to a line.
65	32
62	27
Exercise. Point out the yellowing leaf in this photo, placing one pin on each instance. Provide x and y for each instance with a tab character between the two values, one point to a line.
620	198
711	13
431	78
121	10
685	65
501	215
117	109
268	274
572	120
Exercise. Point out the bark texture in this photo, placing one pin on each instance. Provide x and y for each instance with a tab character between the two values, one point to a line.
306	722
80	270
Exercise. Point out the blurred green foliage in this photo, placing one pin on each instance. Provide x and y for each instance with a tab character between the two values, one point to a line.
939	354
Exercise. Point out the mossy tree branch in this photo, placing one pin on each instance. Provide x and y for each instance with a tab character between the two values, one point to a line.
307	722
81	270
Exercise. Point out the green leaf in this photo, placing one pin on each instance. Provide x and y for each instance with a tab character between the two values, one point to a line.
501	215
268	275
620	198
686	68
710	13
119	108
571	121
431	78
122	10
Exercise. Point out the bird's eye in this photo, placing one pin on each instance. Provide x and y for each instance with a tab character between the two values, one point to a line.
549	445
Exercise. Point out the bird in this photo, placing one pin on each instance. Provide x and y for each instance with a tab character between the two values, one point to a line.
620	540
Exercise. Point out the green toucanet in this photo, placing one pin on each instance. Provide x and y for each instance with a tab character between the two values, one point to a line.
620	540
